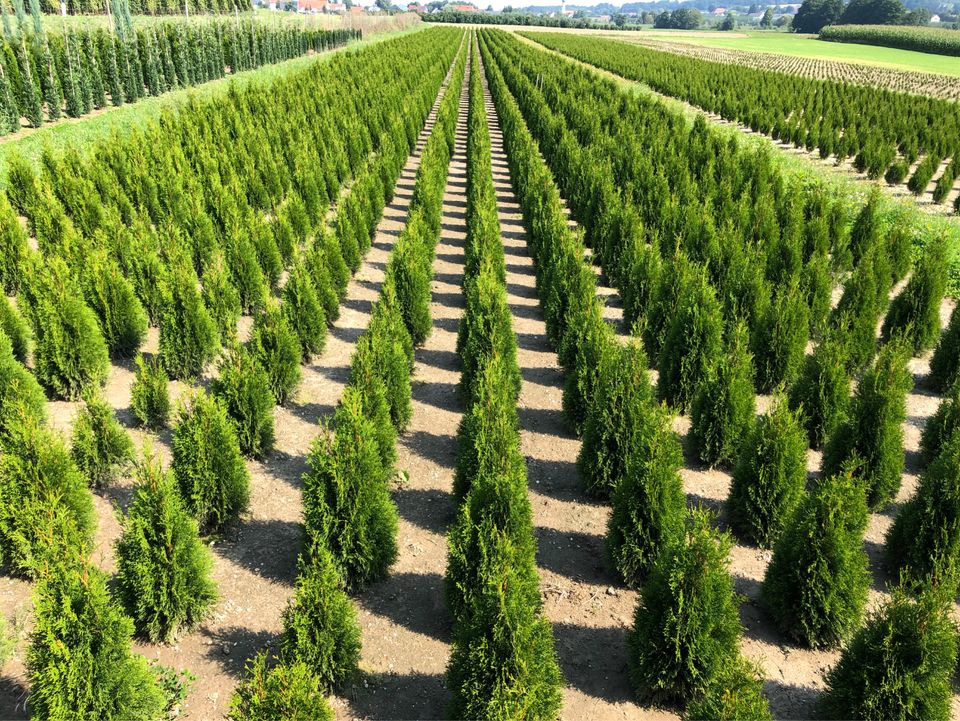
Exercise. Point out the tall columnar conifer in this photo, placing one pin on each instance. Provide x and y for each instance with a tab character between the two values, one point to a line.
915	312
100	446
244	389
945	363
188	335
280	691
822	392
941	427
274	344
304	311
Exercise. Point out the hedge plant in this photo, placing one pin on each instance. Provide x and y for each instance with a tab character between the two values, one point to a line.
735	694
100	446
289	691
941	427
915	312
822	392
245	391
189	338
16	329
275	346
945	363
301	305
149	395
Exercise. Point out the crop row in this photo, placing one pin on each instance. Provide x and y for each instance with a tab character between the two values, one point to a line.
631	456
46	515
939	41
44	76
881	130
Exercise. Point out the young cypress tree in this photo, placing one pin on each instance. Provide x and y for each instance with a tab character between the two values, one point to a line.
899	665
14	248
724	404
275	346
15	329
648	504
410	274
735	693
320	625
346	500
288	691
221	299
822	392
302	307
365	377
687	624
244	388
941	427
769	477
149	395
123	321
325	285
188	335
915	313
163	570
20	394
816	584
336	262
945	363
873	433
246	274
388	334
866	227
213	480
100	446
780	338
79	663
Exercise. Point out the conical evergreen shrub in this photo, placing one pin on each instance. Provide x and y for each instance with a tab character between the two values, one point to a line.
816	584
618	419
822	392
735	694
100	446
915	312
410	274
769	476
244	389
366	379
687	624
873	433
284	691
16	330
941	427
274	345
123	321
648	503
79	663
210	473
20	394
304	312
149	395
388	334
163	570
320	627
324	283
899	665
14	248
221	300
189	339
780	338
945	363
346	500
724	404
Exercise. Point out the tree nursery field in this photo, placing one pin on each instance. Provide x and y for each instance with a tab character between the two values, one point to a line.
452	376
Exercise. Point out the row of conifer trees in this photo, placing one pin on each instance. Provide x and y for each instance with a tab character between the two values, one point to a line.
45	76
630	452
350	519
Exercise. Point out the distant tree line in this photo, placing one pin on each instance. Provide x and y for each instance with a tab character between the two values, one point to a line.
814	15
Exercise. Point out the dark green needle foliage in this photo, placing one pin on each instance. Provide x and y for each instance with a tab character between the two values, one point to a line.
724	404
163	570
80	664
244	388
320	627
915	312
941	427
346	500
816	584
388	334
325	286
221	299
945	363
780	338
409	272
302	307
769	477
822	392
365	369
873	432
100	446
687	624
19	391
287	691
15	328
276	348
899	665
924	541
735	694
123	321
207	465
189	338
150	396
648	504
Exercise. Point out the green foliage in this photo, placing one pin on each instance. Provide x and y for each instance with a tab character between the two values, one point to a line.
16	330
394	352
100	446
409	272
816	584
123	321
189	338
941	427
346	500
687	625
724	404
207	465
20	394
899	665
872	436
288	691
244	389
275	346
7	642
79	662
320	627
163	570
221	300
327	287
822	392
735	694
781	338
945	363
769	476
149	395
915	312
366	379
302	307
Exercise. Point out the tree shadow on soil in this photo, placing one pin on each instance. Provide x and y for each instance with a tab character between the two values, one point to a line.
573	554
412	600
594	660
231	647
268	548
390	696
13	699
430	509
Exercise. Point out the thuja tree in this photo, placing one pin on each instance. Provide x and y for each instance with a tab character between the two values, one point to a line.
325	278
287	691
724	403
822	392
14	248
816	584
617	418
100	446
915	312
207	465
941	427
648	503
769	476
736	692
899	665
188	336
687	624
388	334
110	295
924	541
276	348
873	433
149	395
243	388
20	394
301	305
79	662
221	299
346	500
16	330
163	570
320	627
410	273
780	338
945	363
365	378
